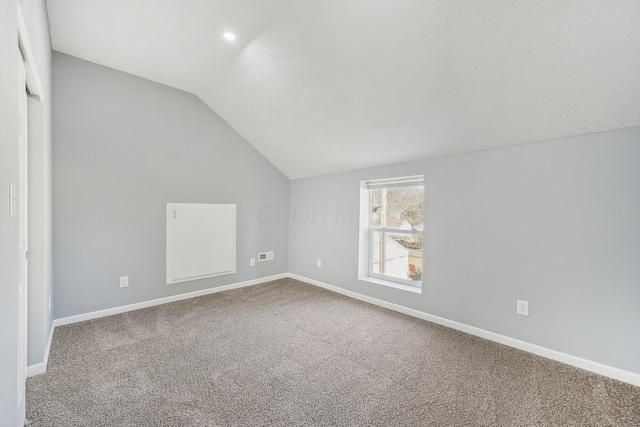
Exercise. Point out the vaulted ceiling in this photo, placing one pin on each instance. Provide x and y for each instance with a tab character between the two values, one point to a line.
322	86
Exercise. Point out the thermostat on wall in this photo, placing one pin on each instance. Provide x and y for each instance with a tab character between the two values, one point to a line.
265	256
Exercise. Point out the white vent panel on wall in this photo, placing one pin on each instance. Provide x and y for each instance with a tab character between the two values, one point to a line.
201	241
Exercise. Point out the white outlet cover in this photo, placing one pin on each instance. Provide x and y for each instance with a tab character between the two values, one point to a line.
319	263
522	307
252	262
124	281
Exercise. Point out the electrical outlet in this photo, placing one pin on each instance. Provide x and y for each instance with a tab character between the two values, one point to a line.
50	303
124	281
319	263
252	262
522	307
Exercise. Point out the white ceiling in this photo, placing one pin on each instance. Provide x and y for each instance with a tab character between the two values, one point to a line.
322	86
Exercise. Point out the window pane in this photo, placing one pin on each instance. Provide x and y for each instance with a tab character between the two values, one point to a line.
397	255
399	208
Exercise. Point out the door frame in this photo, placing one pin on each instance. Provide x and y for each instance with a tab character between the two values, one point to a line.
20	208
33	87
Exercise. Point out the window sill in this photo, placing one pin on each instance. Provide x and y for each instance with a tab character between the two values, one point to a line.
389	283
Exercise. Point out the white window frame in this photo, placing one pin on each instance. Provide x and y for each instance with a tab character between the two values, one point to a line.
367	230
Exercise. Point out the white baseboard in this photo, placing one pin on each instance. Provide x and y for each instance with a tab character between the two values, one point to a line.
588	365
36	369
144	304
41	368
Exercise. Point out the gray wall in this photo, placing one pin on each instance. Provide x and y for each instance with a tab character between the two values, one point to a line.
40	228
555	223
123	148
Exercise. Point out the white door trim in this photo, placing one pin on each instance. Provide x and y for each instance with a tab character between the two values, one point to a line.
33	78
23	225
30	83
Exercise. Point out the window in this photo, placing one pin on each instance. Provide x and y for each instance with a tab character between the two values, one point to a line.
391	230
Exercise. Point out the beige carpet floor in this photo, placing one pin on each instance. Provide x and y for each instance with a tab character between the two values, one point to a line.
288	353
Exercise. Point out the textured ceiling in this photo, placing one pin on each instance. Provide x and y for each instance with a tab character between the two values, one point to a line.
322	86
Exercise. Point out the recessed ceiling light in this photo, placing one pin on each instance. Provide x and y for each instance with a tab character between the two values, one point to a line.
229	36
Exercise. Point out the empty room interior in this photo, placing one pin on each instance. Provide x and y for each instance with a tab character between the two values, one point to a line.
314	213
